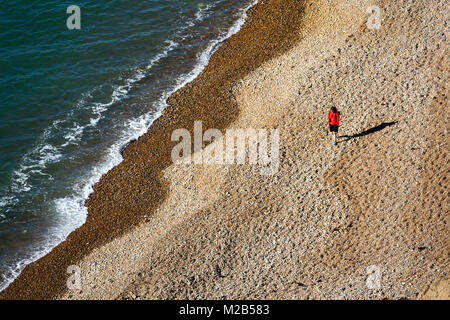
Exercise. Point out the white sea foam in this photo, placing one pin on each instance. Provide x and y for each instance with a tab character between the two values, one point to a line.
201	14
71	209
6	202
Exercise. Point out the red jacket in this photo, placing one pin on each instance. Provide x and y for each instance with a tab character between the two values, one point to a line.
333	118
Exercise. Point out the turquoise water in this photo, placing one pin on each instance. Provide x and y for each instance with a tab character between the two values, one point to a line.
71	99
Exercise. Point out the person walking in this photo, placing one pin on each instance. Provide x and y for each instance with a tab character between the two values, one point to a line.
333	121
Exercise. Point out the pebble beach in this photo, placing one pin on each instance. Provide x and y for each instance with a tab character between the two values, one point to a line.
330	216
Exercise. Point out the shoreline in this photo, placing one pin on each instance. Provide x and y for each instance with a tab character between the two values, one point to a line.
312	230
103	166
46	277
332	217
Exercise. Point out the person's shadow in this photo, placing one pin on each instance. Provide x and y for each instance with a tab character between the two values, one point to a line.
368	131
